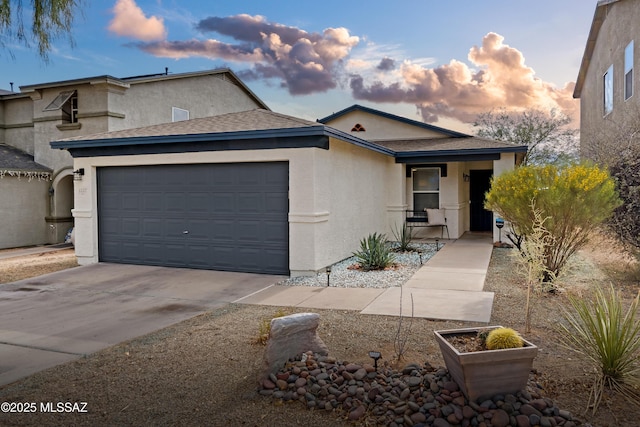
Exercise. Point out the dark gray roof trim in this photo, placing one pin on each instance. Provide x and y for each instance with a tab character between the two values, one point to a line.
223	130
423	125
456	155
305	137
262	143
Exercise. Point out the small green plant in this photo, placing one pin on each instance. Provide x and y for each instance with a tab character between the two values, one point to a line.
501	338
264	329
610	339
404	237
374	253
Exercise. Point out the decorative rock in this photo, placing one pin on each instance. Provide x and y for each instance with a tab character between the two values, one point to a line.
522	421
290	336
440	422
360	374
417	396
357	412
500	418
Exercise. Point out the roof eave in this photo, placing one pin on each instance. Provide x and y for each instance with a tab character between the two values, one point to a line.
463	152
320	130
598	18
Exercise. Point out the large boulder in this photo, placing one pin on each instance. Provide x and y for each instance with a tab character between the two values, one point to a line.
290	336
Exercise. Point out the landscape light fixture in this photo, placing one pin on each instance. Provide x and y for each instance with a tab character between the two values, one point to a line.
328	271
499	224
78	174
375	355
437	245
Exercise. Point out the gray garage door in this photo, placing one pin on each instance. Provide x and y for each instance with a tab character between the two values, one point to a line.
212	216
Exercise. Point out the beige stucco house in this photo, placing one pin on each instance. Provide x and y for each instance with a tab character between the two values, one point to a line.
36	182
263	192
607	81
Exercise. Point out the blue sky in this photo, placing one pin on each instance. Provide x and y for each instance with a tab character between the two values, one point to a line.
442	62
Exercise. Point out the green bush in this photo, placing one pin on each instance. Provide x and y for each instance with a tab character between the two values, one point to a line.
374	253
574	200
610	338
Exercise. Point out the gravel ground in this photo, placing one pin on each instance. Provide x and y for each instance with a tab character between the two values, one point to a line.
345	273
203	371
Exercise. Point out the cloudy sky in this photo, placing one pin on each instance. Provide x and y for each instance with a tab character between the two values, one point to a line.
442	62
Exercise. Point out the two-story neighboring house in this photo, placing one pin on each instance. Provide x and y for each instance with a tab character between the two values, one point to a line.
36	182
608	82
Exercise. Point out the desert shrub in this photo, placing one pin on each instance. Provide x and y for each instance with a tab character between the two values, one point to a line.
404	237
374	253
626	221
574	199
501	338
610	339
530	261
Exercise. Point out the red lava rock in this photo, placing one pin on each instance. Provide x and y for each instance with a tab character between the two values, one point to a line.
500	418
357	412
268	385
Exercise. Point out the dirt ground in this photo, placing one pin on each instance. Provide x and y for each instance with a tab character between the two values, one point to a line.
203	371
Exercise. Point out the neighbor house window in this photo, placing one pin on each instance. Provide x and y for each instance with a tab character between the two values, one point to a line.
67	102
178	114
628	71
426	188
608	90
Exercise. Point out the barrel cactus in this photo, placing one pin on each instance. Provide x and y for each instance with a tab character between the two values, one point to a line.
502	338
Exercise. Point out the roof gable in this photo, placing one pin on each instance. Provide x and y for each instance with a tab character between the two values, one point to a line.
404	127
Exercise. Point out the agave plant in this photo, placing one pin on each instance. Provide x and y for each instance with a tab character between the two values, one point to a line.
610	338
404	237
374	253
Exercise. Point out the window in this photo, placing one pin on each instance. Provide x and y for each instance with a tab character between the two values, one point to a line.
426	188
608	90
178	114
67	102
628	71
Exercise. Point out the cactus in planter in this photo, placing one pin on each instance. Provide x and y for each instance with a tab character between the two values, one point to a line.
502	338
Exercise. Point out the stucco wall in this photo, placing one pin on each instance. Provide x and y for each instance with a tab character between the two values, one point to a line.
21	205
336	198
621	25
150	103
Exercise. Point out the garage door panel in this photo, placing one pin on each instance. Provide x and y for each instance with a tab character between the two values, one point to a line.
274	232
250	202
152	227
236	216
276	202
131	227
152	201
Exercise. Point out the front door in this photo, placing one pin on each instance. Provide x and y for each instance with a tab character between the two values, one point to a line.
480	183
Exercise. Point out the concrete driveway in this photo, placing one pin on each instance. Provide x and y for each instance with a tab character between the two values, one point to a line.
58	317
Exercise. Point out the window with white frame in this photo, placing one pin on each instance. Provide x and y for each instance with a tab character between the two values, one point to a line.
628	71
426	188
608	90
179	114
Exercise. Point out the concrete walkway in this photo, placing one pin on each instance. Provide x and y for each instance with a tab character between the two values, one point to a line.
448	287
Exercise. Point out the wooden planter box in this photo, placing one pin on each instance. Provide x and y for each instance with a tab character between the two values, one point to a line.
483	374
